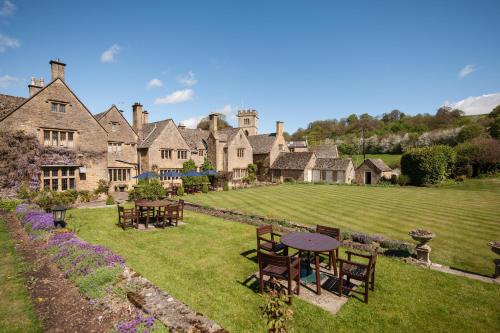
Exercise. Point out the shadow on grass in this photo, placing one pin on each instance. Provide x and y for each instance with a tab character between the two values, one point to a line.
250	255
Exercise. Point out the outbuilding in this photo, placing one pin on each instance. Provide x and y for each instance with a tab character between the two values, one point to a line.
372	171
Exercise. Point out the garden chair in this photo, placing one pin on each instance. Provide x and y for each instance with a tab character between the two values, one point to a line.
279	267
168	214
181	209
332	255
127	217
364	272
270	244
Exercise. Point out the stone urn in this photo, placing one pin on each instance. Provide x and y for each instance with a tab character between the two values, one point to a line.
495	247
423	249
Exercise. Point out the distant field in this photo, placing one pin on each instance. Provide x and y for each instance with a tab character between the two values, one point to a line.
389	159
465	217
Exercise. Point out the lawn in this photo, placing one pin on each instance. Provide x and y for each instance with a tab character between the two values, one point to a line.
389	159
200	263
465	217
16	313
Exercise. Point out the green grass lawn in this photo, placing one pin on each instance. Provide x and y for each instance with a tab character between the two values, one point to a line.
389	159
200	263
465	217
16	313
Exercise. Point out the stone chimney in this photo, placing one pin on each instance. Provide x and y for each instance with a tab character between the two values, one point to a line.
212	122
35	85
145	117
280	126
57	69
137	117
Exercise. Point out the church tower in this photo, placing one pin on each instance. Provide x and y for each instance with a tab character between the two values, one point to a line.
248	120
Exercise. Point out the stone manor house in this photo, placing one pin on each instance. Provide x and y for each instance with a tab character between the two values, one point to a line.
108	147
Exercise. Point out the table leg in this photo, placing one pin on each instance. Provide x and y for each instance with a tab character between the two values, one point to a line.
318	276
147	217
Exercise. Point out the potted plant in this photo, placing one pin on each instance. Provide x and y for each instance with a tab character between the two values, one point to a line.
122	187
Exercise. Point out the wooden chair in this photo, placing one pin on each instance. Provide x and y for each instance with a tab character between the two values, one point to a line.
279	267
181	209
364	272
127	217
168	214
270	244
332	255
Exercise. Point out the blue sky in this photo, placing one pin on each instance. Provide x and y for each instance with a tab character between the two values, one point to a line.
296	62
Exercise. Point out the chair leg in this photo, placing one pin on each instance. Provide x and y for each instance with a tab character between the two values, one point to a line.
334	263
261	284
341	284
372	282
298	283
290	290
366	291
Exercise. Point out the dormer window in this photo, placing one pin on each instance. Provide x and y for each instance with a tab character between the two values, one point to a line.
114	126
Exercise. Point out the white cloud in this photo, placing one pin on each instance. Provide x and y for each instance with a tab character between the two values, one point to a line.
7	8
7	81
178	96
8	42
188	80
477	104
110	54
467	70
155	83
191	122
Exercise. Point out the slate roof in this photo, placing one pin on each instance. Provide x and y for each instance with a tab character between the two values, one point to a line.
379	164
262	143
227	134
297	144
151	131
325	151
292	161
195	138
8	103
100	115
332	163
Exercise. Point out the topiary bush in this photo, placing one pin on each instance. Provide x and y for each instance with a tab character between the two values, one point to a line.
403	180
204	188
180	191
428	165
110	200
226	186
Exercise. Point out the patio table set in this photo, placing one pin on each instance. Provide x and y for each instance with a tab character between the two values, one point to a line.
276	263
158	212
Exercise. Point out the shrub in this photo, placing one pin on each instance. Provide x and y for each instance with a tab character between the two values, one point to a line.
345	235
226	186
362	238
102	187
470	132
276	311
180	191
141	324
482	155
152	190
403	180
204	188
428	165
290	180
84	196
9	205
110	200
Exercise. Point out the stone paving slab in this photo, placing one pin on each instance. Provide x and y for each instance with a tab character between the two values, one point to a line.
449	270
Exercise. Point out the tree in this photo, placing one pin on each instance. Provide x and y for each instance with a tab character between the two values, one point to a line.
221	123
470	132
494	129
495	113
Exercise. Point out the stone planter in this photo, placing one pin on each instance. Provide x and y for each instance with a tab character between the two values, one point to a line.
495	248
423	250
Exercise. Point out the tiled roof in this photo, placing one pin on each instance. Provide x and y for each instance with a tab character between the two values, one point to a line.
379	164
292	161
100	115
332	163
262	143
9	103
195	138
151	131
325	151
297	144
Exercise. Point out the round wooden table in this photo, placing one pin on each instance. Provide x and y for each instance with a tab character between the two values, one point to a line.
311	242
148	204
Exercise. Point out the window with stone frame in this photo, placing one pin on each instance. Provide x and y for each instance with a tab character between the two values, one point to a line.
58	107
57	138
118	174
58	178
163	173
182	154
240	152
239	173
114	148
166	154
246	121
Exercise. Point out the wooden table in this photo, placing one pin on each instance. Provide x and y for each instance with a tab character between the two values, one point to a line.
148	204
311	242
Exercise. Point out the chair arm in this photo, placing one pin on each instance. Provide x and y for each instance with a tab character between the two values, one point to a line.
343	261
267	240
275	234
359	254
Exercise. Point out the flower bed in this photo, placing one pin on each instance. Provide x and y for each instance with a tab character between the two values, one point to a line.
140	324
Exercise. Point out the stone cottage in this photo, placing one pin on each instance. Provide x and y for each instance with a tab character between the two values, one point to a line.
229	150
333	170
122	147
372	170
58	118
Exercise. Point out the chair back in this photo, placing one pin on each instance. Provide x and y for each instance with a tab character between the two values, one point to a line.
173	210
328	231
273	259
266	229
